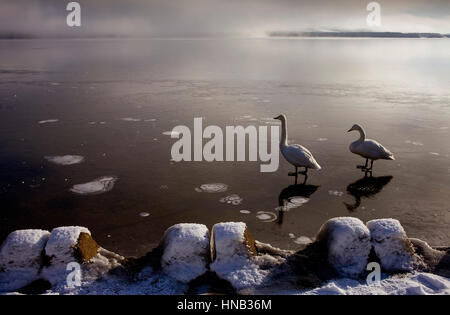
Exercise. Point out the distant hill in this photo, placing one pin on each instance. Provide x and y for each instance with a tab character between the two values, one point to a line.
358	34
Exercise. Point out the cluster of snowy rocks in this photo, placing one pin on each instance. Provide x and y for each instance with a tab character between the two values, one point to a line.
191	259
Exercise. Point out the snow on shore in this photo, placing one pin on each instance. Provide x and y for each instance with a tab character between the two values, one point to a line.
417	283
333	264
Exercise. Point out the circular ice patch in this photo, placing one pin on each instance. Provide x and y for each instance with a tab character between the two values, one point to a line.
298	200
245	211
212	188
65	159
266	216
303	240
293	202
144	214
97	186
232	199
335	193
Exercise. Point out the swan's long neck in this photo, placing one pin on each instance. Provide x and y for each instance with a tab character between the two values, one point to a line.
284	135
362	135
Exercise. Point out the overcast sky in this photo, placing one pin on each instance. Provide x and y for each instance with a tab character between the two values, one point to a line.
217	17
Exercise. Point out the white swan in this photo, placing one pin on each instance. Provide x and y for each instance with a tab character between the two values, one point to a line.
369	149
297	155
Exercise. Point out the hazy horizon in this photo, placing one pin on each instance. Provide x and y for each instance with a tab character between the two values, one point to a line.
188	18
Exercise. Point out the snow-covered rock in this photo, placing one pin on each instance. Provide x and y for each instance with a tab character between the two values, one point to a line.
70	243
186	251
391	245
21	258
230	239
235	256
74	244
348	241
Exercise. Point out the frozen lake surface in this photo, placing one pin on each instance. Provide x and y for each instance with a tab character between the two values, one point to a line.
115	102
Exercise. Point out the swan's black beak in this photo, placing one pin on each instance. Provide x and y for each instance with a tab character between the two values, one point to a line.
278	117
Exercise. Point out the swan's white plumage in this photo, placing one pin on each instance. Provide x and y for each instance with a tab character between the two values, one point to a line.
299	156
368	148
295	154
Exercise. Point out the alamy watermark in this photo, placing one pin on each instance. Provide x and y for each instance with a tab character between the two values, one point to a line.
235	136
74	17
374	277
374	17
73	279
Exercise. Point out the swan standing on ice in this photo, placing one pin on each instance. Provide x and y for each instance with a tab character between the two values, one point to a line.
297	155
369	149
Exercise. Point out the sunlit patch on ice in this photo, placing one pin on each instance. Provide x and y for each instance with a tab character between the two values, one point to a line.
144	214
130	119
65	159
212	188
266	216
245	211
151	120
336	193
443	128
303	240
291	235
435	153
322	139
48	121
97	186
171	133
232	199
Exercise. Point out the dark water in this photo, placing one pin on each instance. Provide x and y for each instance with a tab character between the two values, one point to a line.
397	89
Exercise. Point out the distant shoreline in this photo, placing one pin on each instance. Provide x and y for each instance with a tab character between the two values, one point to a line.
274	34
358	34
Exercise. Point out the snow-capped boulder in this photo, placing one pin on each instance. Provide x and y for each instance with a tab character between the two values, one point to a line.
391	245
73	244
21	258
186	251
70	244
235	256
348	241
231	238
